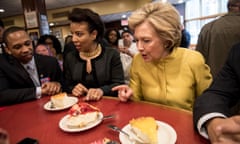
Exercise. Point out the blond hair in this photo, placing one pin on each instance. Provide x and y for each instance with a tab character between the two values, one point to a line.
164	18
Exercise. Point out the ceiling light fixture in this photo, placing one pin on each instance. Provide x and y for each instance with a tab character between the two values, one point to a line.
2	10
51	24
124	16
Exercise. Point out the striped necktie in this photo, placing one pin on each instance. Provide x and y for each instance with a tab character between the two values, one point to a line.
33	74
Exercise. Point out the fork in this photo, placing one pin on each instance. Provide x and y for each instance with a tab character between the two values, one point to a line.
115	128
134	140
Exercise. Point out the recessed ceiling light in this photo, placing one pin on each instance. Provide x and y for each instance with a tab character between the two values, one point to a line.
124	16
51	24
2	10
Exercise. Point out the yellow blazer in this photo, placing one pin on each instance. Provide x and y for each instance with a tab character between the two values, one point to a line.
175	80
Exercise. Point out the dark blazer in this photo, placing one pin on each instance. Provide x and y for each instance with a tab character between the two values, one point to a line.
224	93
15	83
107	71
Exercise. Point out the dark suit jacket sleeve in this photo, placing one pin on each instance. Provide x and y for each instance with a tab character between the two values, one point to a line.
224	91
9	96
15	84
12	96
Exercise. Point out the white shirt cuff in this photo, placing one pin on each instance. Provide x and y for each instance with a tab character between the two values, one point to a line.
200	125
38	92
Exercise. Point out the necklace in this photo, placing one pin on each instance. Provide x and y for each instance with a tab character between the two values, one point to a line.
87	56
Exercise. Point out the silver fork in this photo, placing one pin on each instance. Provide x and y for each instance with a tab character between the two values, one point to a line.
134	140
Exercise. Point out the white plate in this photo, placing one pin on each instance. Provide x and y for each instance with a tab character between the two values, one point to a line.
70	101
64	127
166	134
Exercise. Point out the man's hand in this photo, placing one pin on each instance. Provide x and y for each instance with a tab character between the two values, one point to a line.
224	131
51	88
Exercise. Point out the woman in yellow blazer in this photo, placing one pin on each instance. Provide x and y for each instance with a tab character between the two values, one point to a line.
163	72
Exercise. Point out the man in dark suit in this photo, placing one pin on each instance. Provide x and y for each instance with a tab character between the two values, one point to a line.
25	76
215	111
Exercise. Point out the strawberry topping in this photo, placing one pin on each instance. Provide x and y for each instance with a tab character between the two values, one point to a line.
82	108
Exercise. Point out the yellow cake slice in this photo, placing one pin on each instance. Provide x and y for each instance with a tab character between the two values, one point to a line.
145	128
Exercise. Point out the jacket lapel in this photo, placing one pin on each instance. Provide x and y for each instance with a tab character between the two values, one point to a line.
20	71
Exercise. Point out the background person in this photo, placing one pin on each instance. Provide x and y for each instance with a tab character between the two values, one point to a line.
43	50
53	43
162	72
25	76
128	49
112	36
92	69
186	38
128	45
216	111
218	36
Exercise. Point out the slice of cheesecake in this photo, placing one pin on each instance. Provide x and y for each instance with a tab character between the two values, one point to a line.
145	128
59	100
82	120
81	115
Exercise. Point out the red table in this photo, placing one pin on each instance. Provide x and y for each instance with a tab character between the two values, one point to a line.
31	120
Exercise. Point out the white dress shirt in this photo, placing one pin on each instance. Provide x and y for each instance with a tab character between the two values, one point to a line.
202	121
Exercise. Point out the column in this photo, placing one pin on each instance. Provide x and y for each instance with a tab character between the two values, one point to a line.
35	16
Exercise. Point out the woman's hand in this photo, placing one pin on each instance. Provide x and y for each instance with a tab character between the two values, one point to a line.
79	90
94	94
124	92
224	131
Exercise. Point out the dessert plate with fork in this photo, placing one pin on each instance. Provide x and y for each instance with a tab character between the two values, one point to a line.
70	101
